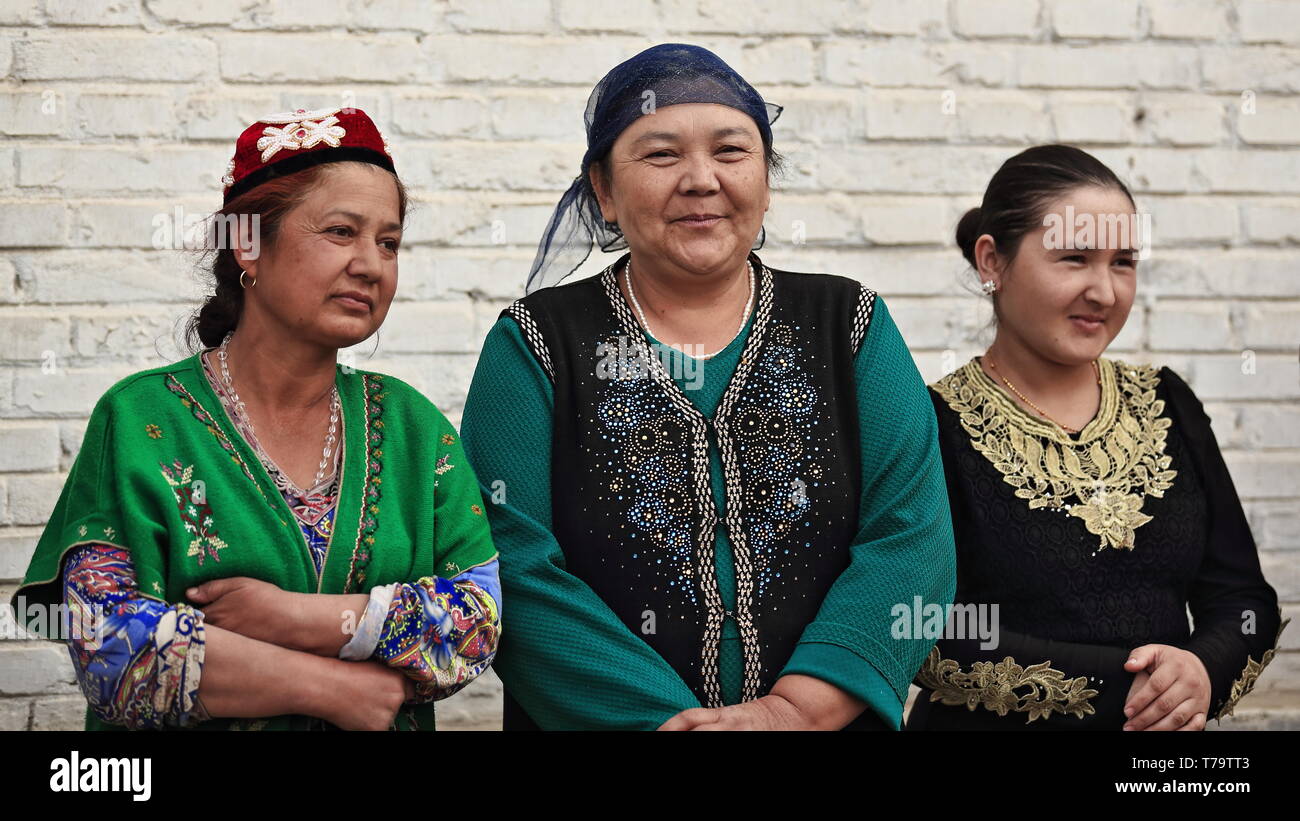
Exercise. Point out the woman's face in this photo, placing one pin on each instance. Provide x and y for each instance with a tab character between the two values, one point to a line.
688	185
330	275
1067	304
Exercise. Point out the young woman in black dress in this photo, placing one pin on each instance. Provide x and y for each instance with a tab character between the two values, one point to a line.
1089	498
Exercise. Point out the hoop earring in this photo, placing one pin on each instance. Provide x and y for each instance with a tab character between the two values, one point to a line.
988	286
242	274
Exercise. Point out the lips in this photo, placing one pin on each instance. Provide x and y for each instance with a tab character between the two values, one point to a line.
355	299
699	219
1088	322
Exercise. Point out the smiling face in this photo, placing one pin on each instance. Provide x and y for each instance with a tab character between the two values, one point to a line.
1068	304
687	185
331	272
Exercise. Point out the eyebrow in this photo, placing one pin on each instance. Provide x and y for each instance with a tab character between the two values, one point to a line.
1078	248
729	131
355	217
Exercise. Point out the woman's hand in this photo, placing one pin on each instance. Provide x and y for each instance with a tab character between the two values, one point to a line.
767	713
796	703
1171	690
246	678
249	607
313	623
366	696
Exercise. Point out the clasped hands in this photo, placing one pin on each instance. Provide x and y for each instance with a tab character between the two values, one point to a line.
1170	691
796	702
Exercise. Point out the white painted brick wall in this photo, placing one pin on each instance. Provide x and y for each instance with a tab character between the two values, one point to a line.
897	112
1188	19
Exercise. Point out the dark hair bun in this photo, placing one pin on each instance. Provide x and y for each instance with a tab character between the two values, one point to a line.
968	230
1022	190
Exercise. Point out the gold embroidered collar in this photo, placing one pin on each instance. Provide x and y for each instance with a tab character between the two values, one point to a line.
1102	476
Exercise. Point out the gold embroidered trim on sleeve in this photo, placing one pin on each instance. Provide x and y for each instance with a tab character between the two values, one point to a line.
1246	682
1101	478
1006	687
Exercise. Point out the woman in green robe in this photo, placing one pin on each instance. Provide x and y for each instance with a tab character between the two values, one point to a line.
257	537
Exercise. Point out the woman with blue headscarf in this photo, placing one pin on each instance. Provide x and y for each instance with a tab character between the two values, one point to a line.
712	483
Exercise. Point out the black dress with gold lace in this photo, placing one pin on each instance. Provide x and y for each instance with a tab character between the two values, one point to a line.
1090	545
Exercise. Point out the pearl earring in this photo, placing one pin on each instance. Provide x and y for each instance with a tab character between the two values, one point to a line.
988	286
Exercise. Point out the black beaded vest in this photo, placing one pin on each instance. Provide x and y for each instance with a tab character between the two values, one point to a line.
632	502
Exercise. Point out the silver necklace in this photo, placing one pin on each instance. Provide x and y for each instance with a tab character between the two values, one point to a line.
330	438
744	317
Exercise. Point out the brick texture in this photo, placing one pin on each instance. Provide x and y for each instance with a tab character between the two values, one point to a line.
897	112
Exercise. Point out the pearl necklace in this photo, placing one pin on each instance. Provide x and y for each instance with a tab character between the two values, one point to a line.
1041	412
243	411
744	317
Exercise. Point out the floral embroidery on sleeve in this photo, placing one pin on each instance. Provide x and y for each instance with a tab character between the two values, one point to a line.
138	660
443	632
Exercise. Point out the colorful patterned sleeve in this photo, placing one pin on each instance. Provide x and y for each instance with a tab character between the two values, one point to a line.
138	660
442	633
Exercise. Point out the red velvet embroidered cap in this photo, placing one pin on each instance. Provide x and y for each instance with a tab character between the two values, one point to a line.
286	143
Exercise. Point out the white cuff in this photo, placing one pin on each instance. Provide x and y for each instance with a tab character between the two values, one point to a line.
366	639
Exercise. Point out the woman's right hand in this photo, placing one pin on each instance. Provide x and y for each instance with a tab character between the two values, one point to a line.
1171	689
367	696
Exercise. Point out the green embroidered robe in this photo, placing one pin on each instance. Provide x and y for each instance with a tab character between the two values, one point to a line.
163	474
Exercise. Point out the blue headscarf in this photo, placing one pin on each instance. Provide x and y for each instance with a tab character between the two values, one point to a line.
658	77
